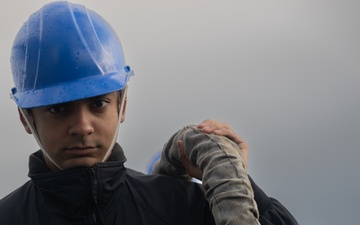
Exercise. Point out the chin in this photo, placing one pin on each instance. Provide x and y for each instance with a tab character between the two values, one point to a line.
80	162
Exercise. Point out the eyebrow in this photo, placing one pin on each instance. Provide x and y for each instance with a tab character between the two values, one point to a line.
95	97
85	99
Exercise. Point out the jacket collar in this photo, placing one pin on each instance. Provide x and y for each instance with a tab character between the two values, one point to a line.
37	162
75	186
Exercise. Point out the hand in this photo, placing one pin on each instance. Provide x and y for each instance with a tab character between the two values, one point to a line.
223	129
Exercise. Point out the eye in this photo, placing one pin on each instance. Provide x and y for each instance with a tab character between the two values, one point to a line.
56	109
100	103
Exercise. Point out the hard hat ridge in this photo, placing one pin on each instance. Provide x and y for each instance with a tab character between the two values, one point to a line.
65	52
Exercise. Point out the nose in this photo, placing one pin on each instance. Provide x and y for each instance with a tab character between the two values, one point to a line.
81	123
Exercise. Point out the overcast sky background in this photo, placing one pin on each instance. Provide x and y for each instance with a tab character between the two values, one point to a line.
284	74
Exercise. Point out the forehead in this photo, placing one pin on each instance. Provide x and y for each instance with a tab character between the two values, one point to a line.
112	95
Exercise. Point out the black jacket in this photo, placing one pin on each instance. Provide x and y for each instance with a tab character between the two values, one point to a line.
110	194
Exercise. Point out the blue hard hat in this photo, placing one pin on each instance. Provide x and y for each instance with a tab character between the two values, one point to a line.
65	52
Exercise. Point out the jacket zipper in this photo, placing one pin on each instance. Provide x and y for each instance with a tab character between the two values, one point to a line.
94	185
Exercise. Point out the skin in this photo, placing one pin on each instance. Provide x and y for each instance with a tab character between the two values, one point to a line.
77	133
218	128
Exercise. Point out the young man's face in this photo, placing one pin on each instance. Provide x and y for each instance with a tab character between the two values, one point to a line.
77	133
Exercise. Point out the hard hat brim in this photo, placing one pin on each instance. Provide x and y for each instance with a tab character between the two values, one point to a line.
76	90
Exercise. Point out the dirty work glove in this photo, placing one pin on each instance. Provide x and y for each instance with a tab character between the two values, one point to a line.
225	181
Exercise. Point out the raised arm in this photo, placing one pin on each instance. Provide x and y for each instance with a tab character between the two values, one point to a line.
214	153
224	179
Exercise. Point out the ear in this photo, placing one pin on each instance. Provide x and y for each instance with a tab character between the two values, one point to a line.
23	121
122	117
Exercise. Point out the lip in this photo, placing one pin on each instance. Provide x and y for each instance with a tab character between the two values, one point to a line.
81	150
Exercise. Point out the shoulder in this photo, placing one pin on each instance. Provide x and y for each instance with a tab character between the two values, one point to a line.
158	183
14	206
166	196
17	195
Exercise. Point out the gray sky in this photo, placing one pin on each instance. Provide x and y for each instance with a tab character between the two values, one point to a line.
283	74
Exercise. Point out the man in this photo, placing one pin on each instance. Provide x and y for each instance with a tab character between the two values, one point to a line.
70	88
